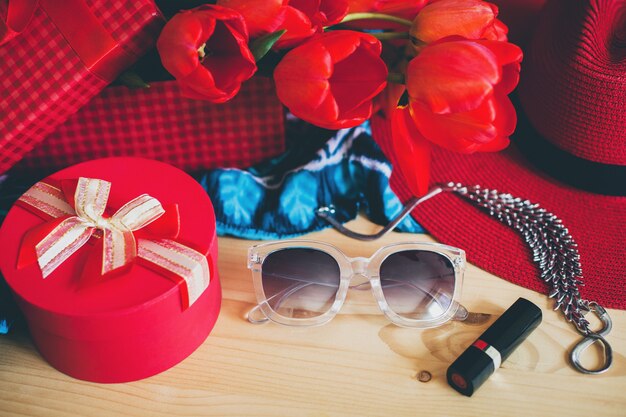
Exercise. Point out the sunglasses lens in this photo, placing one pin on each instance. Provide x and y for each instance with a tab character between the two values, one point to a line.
417	285
300	282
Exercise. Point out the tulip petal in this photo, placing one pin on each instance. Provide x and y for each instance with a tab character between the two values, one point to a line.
330	80
201	85
302	84
341	43
401	8
412	151
509	57
450	77
457	131
308	7
357	6
232	17
466	18
358	78
496	145
259	15
504	52
506	117
228	61
228	51
356	116
327	109
298	27
332	12
359	116
179	42
406	9
497	32
321	12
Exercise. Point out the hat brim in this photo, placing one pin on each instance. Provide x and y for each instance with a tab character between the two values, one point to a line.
596	222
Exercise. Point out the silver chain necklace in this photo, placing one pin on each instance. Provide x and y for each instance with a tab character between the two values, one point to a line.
553	249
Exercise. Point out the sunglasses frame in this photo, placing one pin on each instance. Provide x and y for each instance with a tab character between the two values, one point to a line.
348	267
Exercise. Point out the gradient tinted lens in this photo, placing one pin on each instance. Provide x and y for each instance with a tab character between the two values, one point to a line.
300	282
417	285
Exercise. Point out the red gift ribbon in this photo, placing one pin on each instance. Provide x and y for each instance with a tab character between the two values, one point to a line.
77	211
93	44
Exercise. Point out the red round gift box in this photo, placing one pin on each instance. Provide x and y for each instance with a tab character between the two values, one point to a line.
131	325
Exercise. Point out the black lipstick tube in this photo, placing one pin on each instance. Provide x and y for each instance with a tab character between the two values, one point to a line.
494	346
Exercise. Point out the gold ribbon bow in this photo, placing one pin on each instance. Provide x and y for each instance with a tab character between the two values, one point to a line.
119	246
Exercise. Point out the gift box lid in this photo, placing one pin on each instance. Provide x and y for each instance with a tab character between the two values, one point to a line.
69	292
138	318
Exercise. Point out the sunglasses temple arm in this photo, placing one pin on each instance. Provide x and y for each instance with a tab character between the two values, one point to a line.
327	212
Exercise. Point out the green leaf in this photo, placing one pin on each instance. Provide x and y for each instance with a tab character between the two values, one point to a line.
132	80
261	46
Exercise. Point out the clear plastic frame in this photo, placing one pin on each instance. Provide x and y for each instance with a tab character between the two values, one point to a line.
443	305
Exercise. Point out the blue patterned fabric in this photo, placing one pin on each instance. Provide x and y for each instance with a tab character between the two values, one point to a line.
9	193
279	199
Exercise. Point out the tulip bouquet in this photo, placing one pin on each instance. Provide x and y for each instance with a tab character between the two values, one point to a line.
438	71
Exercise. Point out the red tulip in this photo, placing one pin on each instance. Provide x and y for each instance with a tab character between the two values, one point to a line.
412	151
261	16
330	80
471	19
458	93
321	12
406	9
206	50
301	18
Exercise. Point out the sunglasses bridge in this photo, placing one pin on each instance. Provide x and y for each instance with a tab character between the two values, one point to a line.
359	269
359	265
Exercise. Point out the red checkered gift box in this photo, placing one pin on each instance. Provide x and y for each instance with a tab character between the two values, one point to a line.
66	54
159	123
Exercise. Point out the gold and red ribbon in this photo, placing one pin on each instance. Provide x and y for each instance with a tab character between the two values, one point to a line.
77	212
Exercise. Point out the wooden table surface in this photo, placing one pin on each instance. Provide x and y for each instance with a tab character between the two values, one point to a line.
357	365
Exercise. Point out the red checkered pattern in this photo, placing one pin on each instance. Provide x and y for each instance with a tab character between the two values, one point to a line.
133	24
43	81
159	123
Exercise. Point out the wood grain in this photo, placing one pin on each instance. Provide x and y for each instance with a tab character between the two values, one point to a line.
356	365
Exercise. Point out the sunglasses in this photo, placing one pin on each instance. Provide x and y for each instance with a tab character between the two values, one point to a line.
304	283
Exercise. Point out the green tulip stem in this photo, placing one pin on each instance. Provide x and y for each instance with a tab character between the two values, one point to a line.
385	36
395	77
376	16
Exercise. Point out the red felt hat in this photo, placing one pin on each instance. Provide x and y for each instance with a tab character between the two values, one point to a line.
568	154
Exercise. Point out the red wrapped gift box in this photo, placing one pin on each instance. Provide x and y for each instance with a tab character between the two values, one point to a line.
159	123
66	54
125	325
